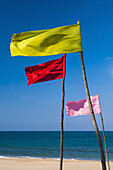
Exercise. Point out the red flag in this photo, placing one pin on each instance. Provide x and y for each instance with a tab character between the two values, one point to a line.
51	70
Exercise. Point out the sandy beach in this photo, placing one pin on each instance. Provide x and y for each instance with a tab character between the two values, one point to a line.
48	164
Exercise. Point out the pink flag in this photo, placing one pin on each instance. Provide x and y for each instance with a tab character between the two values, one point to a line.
81	107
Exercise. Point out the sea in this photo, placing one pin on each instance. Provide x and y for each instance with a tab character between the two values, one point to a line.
78	145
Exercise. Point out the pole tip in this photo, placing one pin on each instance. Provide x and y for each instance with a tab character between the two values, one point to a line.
78	22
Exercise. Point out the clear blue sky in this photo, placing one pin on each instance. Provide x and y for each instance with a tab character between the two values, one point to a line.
38	106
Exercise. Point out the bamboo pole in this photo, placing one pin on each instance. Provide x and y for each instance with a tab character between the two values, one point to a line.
92	114
105	141
62	117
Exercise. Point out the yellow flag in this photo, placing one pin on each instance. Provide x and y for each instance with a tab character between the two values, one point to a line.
60	40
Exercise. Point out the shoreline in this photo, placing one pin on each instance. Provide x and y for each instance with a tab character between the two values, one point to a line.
48	158
48	164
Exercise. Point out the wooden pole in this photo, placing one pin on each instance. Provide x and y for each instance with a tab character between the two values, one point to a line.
105	141
92	114
62	117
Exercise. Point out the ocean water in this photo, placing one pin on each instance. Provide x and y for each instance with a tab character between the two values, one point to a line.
77	145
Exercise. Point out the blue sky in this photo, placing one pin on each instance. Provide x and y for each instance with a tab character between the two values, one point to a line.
38	106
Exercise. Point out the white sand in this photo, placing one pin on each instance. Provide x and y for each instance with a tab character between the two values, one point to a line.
48	164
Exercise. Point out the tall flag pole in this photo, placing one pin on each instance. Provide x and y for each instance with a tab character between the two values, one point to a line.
105	141
92	113
81	107
62	118
51	70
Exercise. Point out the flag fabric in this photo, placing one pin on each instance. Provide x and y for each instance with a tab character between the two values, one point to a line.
81	107
51	70
60	40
